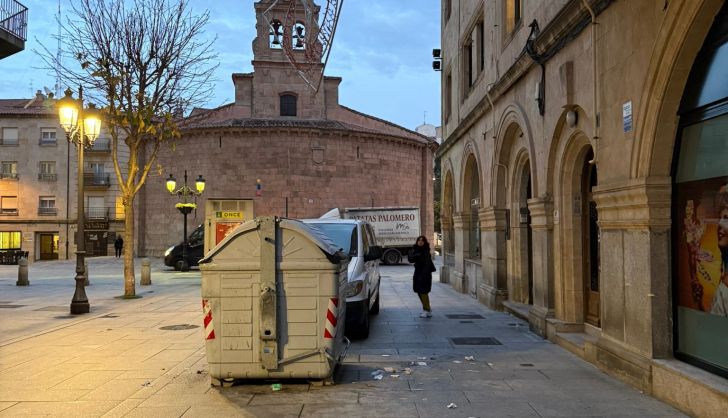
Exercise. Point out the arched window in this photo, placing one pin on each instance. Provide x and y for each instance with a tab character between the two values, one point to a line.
275	35
288	104
299	36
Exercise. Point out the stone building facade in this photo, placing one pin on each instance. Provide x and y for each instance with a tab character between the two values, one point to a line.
308	152
38	185
585	183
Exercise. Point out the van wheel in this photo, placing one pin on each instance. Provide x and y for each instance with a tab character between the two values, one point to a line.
392	256
375	307
361	331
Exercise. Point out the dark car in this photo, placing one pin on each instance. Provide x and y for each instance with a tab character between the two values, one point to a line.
194	253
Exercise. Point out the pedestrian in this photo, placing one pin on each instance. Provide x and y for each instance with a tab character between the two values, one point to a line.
118	245
422	278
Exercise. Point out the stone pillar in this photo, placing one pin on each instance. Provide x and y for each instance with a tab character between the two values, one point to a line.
146	278
22	272
445	227
542	231
493	290
457	276
635	275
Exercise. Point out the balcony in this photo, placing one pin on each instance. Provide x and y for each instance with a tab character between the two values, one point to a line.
101	146
47	211
96	181
47	177
103	214
13	27
8	176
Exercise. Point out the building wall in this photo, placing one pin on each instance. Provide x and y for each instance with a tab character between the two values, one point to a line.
644	52
355	171
28	187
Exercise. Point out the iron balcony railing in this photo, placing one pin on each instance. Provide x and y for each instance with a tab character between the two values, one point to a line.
48	211
47	177
11	176
101	145
97	213
96	180
14	18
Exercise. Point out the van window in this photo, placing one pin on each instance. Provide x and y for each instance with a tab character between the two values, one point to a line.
343	235
364	239
197	235
372	237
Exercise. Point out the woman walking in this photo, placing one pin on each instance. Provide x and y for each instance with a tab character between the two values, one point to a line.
422	279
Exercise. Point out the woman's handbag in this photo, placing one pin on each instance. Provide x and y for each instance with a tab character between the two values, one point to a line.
411	256
432	267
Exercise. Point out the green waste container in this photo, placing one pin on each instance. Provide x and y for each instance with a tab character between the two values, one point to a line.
274	305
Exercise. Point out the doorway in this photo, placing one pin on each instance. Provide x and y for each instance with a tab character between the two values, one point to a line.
590	244
48	246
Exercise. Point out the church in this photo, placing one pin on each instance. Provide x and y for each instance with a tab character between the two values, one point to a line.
286	146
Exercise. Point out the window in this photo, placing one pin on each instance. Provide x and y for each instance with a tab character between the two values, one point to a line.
48	136
448	8
468	65
448	97
9	170
512	16
10	136
47	171
299	36
275	35
47	205
480	30
288	105
10	240
9	205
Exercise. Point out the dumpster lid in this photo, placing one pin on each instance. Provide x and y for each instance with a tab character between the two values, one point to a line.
332	252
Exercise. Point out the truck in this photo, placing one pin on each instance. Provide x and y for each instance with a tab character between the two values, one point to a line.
396	228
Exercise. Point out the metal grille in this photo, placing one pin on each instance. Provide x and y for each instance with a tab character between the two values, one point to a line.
10	306
465	316
475	341
179	327
53	309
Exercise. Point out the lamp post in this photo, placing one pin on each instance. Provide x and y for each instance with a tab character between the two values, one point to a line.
185	207
82	128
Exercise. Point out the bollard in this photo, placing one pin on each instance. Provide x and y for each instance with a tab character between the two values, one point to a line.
146	272
85	274
22	273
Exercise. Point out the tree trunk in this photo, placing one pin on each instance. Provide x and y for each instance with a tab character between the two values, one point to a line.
129	278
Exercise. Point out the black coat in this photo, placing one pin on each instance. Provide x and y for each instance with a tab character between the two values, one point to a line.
422	279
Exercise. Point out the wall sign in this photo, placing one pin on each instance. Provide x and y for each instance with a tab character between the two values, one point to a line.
627	117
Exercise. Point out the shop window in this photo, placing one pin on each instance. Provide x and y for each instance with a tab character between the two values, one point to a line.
10	240
288	105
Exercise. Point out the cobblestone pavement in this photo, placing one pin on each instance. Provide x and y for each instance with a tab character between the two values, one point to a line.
117	361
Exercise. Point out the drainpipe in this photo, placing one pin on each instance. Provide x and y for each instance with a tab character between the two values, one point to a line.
595	138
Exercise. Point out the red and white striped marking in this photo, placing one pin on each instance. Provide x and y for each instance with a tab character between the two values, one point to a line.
209	327
332	315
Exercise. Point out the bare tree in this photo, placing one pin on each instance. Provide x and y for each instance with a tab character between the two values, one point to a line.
145	61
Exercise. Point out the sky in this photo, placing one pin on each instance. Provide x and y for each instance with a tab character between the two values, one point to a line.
382	50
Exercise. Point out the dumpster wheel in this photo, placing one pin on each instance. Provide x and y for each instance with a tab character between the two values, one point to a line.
225	383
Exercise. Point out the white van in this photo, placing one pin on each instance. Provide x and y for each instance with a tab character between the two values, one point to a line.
357	239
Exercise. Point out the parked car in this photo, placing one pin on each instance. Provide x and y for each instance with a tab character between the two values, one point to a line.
195	251
362	294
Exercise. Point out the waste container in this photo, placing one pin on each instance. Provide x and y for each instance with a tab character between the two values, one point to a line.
273	300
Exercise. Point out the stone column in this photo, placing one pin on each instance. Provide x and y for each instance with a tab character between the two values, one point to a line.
542	253
457	276
493	289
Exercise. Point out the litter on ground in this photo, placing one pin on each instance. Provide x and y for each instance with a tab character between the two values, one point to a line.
452	405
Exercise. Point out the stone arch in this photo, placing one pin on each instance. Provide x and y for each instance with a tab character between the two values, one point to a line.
471	192
561	131
568	248
678	42
512	124
470	154
446	212
519	247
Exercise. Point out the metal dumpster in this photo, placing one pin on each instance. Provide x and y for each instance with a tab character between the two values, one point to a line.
273	301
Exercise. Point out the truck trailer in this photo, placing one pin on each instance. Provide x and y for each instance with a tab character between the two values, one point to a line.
396	228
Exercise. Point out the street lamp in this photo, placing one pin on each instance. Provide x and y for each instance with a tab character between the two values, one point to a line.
82	128
185	207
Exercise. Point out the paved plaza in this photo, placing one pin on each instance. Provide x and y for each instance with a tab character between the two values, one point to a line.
118	361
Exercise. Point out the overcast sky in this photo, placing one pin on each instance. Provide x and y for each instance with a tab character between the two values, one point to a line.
382	50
